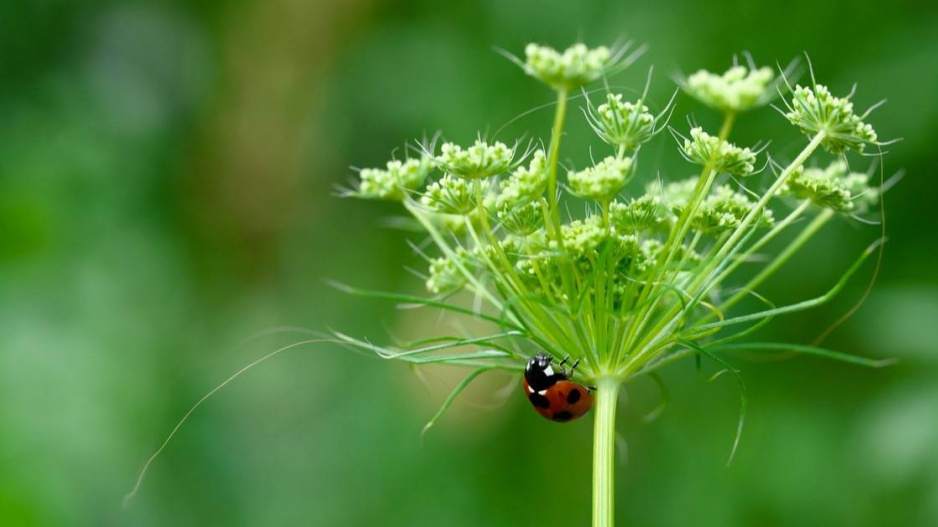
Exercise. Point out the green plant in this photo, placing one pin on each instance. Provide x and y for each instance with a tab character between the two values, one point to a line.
646	276
642	279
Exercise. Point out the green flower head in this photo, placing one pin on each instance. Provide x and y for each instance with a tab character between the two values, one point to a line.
479	161
583	237
673	194
815	110
576	66
603	181
862	194
832	187
445	275
722	156
521	220
394	181
724	210
450	195
525	184
622	124
737	90
638	215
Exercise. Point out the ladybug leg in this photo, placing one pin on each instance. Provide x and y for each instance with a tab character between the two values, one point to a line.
573	368
563	362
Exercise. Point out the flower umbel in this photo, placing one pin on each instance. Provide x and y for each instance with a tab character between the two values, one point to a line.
525	184
450	195
833	187
638	215
603	181
815	110
737	90
393	182
574	67
622	124
721	156
479	161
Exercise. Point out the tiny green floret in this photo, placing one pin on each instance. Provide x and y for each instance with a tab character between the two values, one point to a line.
815	110
721	156
603	181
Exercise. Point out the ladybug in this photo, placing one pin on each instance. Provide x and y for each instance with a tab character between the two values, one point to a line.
552	393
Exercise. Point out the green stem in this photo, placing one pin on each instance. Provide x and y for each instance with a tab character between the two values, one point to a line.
757	209
675	240
782	258
554	155
604	449
553	204
728	121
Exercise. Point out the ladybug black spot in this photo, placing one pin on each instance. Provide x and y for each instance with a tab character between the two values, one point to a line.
573	396
560	417
538	400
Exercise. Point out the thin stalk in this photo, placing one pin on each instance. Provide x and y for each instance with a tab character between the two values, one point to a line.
769	236
604	449
757	209
782	258
728	121
726	250
559	115
552	199
676	238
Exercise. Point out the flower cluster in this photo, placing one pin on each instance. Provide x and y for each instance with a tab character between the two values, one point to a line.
479	161
525	184
737	90
724	209
832	187
445	273
638	214
601	182
450	195
622	124
392	182
576	66
522	220
815	110
721	156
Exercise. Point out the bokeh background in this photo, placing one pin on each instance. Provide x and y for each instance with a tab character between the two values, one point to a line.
167	177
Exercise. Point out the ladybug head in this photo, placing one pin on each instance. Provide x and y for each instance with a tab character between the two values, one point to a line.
541	362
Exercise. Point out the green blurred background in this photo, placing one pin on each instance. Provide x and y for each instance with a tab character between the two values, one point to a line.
167	174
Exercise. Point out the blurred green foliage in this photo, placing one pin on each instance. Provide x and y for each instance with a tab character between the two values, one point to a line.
167	174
